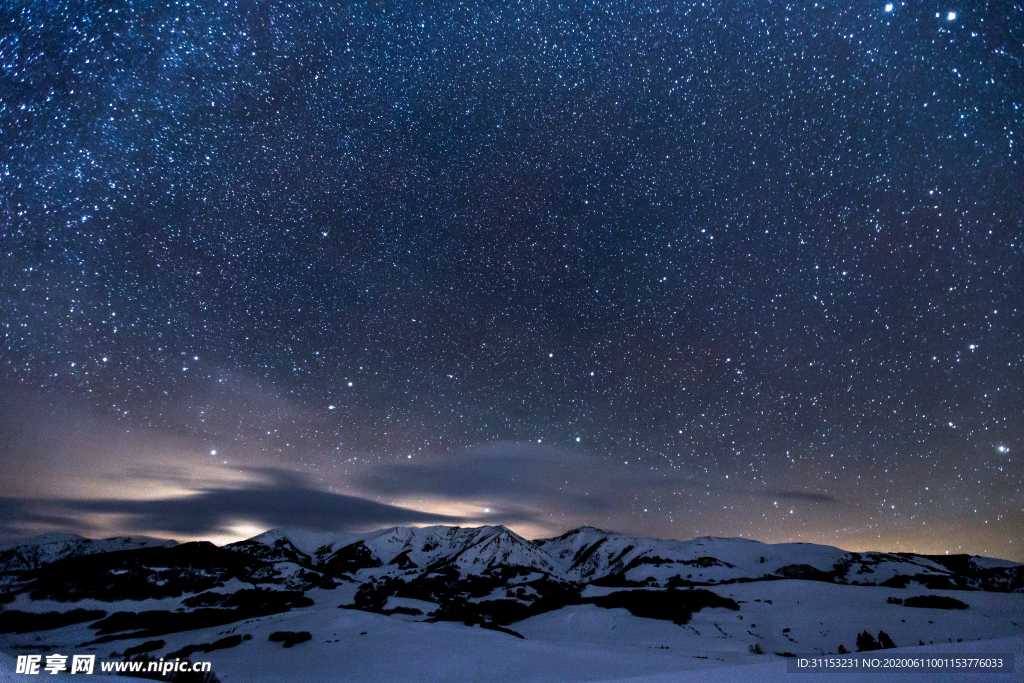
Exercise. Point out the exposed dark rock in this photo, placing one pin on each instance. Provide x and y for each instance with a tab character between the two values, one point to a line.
290	638
934	602
351	559
282	550
671	605
148	646
140	574
160	622
321	554
584	553
16	621
403	561
805	572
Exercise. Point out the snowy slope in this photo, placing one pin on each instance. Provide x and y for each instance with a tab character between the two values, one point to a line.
490	547
577	643
775	671
588	554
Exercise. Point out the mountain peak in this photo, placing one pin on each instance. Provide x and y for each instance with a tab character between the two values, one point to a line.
42	539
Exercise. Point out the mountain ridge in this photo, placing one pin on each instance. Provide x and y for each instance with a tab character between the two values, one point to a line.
582	556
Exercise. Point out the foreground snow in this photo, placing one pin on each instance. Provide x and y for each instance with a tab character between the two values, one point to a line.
357	646
582	642
775	671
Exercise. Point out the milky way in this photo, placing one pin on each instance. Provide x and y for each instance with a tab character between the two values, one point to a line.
671	268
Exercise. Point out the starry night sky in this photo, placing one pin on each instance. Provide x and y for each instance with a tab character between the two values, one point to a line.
670	268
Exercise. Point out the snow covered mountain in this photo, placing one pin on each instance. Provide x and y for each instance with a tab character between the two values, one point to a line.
589	555
608	595
403	551
299	559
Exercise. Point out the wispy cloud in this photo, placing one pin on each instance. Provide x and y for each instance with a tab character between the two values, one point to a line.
517	475
284	499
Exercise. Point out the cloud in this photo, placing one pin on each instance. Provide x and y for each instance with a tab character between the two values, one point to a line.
283	500
19	516
516	476
505	469
543	484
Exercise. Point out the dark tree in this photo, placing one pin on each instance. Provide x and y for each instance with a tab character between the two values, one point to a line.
866	642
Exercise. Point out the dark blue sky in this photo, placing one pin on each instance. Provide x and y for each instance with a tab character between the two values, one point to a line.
672	268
